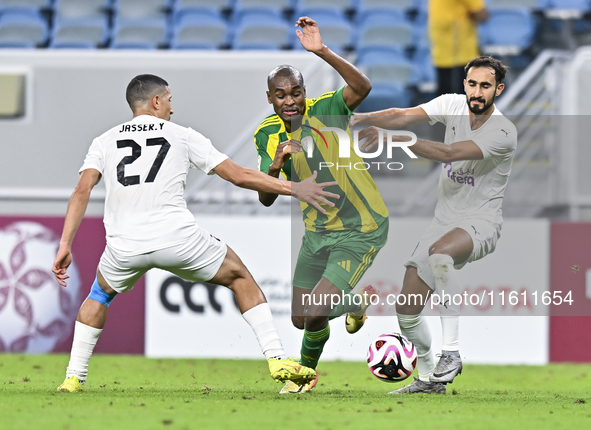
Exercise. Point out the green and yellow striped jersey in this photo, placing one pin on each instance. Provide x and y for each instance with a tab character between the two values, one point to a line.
360	206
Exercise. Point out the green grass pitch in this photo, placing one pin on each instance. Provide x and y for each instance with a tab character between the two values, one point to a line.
130	392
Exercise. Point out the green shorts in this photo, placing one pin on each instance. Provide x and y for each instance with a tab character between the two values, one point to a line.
342	257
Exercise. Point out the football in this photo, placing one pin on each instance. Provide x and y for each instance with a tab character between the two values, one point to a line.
391	357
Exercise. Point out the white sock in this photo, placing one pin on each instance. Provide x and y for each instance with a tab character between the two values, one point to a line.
85	338
450	330
446	280
261	322
416	329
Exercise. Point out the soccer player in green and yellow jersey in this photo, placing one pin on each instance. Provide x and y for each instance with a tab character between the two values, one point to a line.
339	245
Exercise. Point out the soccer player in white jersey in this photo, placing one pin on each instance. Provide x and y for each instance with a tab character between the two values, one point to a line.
144	163
477	155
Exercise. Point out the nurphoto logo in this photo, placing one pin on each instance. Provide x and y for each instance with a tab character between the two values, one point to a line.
345	148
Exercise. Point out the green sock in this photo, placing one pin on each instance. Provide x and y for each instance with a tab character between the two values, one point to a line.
347	305
312	346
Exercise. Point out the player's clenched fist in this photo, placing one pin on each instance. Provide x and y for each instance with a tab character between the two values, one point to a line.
284	151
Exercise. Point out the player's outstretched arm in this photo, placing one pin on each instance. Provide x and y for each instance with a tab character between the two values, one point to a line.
76	209
283	153
307	191
393	118
358	85
436	151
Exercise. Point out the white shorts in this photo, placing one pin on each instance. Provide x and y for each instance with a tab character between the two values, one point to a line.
196	260
484	236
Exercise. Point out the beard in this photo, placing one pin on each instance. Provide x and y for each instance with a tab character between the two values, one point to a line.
476	110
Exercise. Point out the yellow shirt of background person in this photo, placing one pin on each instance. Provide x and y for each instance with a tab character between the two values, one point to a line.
453	32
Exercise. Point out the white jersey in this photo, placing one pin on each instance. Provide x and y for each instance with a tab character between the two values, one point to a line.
473	188
144	163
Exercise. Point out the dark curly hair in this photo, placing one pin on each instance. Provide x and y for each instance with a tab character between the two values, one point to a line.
491	63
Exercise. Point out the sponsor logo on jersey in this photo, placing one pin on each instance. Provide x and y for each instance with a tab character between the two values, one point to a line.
460	176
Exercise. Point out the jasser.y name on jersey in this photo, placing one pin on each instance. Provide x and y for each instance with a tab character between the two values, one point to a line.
140	127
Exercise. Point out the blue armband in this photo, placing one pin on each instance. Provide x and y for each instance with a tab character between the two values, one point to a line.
99	295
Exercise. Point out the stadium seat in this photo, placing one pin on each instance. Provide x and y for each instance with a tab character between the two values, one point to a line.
205	29
421	5
261	29
134	45
139	34
242	7
23	28
420	30
386	65
39	4
72	45
507	31
385	96
383	29
24	5
80	33
180	7
385	4
140	9
343	5
335	29
509	4
17	45
424	74
396	14
78	9
567	9
374	6
569	18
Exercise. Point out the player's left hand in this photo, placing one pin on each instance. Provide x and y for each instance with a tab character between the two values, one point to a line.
309	192
372	135
355	119
309	34
62	261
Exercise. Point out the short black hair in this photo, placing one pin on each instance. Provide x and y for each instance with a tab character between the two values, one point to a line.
142	88
488	62
283	71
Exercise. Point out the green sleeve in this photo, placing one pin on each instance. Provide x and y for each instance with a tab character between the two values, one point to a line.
260	140
331	109
338	103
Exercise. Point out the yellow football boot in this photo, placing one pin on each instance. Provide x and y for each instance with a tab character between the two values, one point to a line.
290	369
293	388
355	320
71	385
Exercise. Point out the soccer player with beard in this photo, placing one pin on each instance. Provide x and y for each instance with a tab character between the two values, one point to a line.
477	155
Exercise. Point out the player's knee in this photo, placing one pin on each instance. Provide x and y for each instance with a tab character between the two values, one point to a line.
412	304
315	321
402	309
298	322
440	248
436	248
235	276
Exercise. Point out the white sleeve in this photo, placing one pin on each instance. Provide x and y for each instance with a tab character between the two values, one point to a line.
439	108
498	143
202	154
94	158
